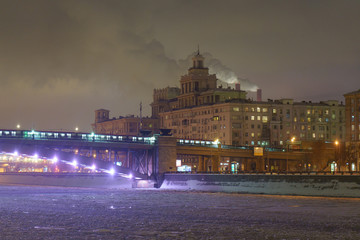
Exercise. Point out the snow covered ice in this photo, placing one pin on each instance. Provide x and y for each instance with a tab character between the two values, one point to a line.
79	213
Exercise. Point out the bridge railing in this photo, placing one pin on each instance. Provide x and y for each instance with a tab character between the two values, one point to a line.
214	144
89	137
347	173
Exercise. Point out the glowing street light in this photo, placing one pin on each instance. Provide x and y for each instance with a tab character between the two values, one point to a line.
337	153
112	171
76	129
292	140
93	167
18	126
55	159
74	163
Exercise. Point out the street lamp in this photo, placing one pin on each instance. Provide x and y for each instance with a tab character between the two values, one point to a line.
337	153
292	140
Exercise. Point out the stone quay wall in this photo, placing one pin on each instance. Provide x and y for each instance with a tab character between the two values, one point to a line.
303	185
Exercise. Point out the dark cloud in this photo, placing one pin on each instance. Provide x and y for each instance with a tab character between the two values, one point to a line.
61	60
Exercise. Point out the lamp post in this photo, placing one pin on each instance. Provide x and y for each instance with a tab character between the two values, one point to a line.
287	154
337	153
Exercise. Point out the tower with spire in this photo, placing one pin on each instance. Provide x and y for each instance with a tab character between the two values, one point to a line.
197	88
196	82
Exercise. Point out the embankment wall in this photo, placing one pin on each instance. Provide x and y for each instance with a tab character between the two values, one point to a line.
67	180
305	185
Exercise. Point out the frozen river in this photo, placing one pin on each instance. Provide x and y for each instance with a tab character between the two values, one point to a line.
78	213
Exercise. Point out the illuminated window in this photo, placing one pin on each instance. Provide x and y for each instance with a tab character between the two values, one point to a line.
246	109
252	117
258	118
308	111
252	134
253	109
264	119
258	109
314	135
265	110
274	110
236	109
295	119
352	127
309	119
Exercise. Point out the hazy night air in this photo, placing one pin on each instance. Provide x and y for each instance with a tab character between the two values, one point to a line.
61	60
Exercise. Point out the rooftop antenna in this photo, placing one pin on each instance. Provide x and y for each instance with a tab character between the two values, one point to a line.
198	50
141	115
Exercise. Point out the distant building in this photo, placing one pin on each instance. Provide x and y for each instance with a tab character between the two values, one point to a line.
352	103
198	88
128	125
202	110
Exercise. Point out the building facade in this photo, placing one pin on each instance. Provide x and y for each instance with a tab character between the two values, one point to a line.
204	111
352	103
128	125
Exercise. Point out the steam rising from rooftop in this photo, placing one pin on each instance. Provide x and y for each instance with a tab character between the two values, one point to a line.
223	73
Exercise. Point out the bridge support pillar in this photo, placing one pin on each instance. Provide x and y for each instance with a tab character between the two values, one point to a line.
166	154
261	164
201	164
215	161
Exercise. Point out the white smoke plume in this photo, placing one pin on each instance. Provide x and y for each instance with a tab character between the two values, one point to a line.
223	73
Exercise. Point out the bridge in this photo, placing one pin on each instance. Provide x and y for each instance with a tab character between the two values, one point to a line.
129	156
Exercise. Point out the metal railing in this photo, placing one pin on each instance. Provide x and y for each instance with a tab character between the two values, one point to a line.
89	137
214	144
341	173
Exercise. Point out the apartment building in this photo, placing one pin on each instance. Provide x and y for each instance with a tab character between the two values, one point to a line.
271	123
352	103
123	125
202	110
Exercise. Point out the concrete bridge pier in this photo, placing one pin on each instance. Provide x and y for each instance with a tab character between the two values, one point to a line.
215	162
201	164
166	158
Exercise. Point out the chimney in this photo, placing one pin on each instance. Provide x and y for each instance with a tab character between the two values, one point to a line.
237	86
258	95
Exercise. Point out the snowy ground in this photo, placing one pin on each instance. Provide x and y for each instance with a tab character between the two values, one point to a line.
79	213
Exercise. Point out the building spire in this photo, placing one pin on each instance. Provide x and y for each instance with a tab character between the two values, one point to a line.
198	52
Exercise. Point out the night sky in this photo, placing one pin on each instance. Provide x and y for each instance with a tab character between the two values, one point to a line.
61	60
